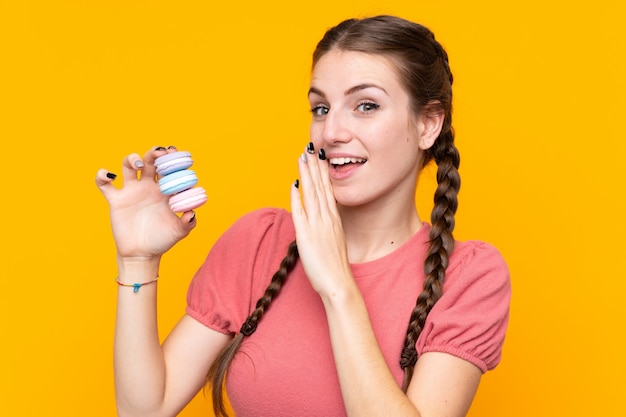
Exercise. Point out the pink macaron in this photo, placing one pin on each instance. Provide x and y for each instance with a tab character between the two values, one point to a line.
188	200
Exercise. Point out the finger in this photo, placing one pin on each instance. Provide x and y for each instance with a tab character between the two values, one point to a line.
148	170
104	181
187	222
296	202
309	196
298	214
326	184
131	165
316	186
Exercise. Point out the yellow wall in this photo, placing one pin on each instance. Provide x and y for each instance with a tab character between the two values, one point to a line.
539	103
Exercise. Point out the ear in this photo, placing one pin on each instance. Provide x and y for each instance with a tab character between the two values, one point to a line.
431	121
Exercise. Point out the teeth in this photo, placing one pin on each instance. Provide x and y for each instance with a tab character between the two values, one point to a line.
343	161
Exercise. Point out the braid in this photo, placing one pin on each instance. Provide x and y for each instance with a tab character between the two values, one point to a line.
441	246
424	71
443	55
218	370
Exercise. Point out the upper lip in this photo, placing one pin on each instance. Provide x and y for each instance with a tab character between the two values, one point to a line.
334	155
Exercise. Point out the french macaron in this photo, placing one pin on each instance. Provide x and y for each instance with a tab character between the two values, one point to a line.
172	162
188	200
178	181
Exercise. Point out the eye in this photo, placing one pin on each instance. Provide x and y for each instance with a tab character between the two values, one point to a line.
319	110
367	106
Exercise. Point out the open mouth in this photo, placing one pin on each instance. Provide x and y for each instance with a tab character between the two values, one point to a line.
338	162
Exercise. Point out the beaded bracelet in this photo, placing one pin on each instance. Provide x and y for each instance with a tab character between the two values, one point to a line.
136	285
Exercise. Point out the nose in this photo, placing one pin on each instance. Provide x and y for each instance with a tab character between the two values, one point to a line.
333	129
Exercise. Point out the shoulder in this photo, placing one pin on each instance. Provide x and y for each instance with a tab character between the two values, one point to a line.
477	263
236	270
477	253
257	234
471	317
260	221
253	228
478	276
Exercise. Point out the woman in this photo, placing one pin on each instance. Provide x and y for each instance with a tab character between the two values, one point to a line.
366	287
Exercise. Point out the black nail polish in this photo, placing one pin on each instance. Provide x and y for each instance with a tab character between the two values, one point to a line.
310	148
159	148
297	184
193	217
171	147
111	175
322	154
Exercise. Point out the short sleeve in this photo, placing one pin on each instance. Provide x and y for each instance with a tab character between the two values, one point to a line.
471	317
238	268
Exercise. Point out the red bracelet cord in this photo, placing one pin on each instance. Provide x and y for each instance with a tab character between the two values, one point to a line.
136	285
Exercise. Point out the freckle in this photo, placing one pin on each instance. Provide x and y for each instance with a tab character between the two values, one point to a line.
392	242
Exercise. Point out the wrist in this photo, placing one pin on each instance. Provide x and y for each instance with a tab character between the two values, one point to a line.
137	268
341	295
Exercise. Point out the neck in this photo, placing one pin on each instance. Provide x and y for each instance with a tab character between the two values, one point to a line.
373	232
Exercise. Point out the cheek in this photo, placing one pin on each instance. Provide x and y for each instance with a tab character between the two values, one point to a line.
402	145
397	137
315	134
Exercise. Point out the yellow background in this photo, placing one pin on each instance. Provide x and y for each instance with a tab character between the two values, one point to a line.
539	105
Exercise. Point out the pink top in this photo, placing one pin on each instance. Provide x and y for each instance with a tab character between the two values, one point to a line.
286	367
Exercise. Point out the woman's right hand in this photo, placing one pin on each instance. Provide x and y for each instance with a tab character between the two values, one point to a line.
144	227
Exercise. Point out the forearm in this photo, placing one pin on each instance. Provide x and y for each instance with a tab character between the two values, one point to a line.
138	358
367	385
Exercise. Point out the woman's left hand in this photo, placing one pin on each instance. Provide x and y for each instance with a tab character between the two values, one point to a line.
319	233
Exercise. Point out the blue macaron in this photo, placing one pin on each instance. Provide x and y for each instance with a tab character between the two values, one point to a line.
178	181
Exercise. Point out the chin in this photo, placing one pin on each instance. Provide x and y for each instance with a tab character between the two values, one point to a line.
351	200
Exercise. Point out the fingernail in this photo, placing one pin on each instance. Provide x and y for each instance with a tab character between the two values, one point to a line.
159	148
138	163
171	147
111	175
296	184
193	217
303	157
310	148
322	154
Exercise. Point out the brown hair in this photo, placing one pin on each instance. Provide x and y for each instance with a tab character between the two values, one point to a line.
423	69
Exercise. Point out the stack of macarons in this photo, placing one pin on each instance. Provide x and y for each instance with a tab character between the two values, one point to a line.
177	181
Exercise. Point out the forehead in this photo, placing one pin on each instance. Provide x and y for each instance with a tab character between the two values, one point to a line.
338	68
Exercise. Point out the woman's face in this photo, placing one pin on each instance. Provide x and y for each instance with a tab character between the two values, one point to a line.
362	119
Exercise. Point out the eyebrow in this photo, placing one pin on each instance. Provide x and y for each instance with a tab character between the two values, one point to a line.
349	91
